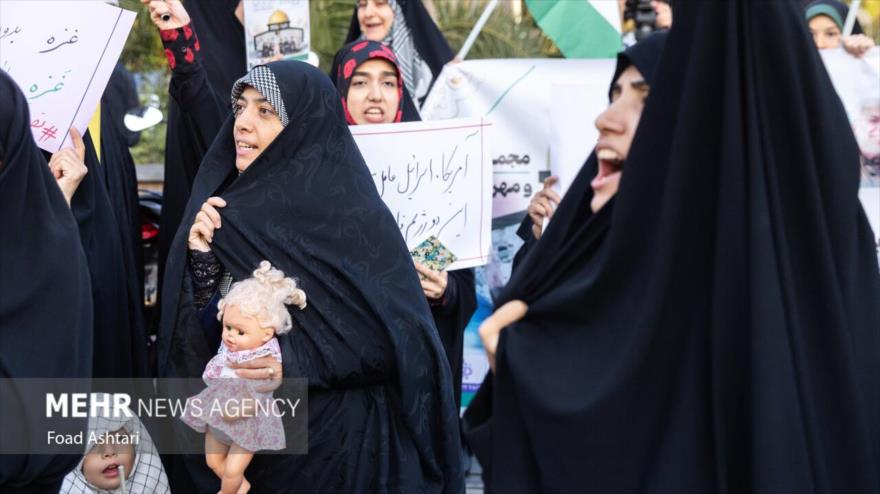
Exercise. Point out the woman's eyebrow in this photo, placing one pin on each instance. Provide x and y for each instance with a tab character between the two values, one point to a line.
255	100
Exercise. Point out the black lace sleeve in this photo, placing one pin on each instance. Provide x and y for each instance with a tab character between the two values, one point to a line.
206	271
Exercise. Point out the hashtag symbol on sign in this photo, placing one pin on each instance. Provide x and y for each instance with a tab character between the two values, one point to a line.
49	133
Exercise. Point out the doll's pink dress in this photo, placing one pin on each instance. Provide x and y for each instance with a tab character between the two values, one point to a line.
261	432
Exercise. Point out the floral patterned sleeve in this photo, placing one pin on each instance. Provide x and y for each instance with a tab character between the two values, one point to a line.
206	272
181	48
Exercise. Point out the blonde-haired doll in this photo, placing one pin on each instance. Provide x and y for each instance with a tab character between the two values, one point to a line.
253	313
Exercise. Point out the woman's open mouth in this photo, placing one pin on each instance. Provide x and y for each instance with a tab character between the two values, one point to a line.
610	166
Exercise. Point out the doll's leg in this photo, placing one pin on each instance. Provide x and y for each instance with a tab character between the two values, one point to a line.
215	453
233	475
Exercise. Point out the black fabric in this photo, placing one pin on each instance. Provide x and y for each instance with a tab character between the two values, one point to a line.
45	295
222	38
842	10
460	300
724	339
427	38
223	58
381	407
644	55
121	95
358	52
119	98
451	318
120	344
120	180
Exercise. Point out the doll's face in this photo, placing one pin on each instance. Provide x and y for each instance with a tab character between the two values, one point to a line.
243	332
101	465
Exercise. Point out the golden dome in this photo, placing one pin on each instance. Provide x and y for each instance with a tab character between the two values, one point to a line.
278	17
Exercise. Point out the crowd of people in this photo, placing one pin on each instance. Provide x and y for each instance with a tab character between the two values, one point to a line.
711	323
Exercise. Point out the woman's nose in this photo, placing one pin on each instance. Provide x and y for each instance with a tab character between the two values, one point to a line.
375	93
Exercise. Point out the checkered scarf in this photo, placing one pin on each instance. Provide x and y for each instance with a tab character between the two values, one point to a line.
147	474
262	79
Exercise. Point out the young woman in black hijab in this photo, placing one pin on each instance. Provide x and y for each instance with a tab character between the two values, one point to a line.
408	29
381	407
45	294
371	90
616	126
826	19
724	335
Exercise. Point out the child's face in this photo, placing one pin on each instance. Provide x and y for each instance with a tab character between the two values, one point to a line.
101	465
242	332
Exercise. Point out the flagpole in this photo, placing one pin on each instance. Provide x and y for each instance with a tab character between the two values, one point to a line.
469	42
851	17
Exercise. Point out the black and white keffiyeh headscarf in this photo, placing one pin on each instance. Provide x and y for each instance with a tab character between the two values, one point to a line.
263	80
412	66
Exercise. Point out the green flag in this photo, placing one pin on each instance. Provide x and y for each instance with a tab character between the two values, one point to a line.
580	28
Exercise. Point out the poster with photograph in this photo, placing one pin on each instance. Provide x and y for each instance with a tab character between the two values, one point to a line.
276	30
857	82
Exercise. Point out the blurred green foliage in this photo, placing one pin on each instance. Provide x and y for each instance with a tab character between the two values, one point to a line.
144	57
143	50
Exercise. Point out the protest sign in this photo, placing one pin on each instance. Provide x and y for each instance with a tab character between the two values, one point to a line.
517	97
276	30
857	82
572	137
435	177
61	54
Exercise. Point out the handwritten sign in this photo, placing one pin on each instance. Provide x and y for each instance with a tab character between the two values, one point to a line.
516	95
435	177
276	30
61	54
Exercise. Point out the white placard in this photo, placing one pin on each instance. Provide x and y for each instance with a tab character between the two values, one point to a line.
436	178
516	96
276	30
857	82
61	54
572	134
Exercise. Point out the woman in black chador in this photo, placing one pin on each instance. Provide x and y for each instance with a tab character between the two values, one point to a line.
284	181
723	337
369	78
45	294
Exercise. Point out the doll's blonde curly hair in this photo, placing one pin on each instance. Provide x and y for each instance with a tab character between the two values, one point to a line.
265	297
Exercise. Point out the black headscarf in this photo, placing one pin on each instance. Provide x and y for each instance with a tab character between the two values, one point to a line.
725	336
644	55
836	10
365	342
223	57
45	295
222	41
459	301
351	56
